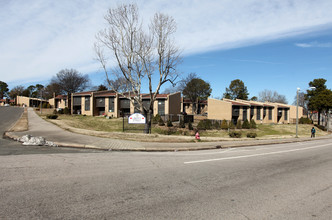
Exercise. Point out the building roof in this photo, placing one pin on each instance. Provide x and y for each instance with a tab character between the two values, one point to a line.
83	93
105	93
61	97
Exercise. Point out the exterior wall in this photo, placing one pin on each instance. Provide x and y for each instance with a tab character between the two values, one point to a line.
52	102
292	113
219	109
83	111
173	104
20	100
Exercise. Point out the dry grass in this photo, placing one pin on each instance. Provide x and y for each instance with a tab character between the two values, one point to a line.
100	126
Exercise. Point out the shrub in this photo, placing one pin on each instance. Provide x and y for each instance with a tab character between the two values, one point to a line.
48	105
216	125
161	122
190	126
235	134
44	105
156	119
52	116
169	123
239	124
253	124
60	111
246	124
231	125
66	111
224	125
303	120
205	124
182	124
251	135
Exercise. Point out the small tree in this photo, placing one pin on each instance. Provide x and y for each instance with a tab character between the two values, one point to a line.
224	125
182	124
3	89
231	125
253	124
246	124
169	123
190	126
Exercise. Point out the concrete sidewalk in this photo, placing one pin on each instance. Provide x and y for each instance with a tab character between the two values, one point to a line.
39	127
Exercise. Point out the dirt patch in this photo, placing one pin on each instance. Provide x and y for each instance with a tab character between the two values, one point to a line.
22	123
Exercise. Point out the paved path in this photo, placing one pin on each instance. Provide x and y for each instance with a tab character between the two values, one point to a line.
40	127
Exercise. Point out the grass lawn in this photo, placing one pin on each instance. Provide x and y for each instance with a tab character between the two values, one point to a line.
116	125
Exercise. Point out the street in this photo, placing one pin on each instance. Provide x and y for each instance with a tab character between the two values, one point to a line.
284	181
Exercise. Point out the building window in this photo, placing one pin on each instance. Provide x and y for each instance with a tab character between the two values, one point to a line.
161	107
245	113
270	113
258	113
286	114
111	105
87	103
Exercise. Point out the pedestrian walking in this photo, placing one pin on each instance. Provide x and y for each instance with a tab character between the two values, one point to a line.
313	131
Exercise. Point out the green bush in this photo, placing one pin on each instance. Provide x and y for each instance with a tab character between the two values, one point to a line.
190	126
55	112
246	124
48	105
44	105
303	120
253	124
231	125
169	123
239	124
155	119
169	131
182	124
224	125
251	135
52	116
205	124
235	134
161	122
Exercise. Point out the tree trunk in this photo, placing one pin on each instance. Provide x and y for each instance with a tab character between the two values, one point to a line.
148	122
319	111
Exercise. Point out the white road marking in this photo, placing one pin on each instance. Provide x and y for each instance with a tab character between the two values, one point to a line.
256	155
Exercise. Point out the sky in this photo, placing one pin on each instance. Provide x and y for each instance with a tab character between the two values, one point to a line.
279	45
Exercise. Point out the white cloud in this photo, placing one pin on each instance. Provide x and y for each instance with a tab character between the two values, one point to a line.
314	44
40	37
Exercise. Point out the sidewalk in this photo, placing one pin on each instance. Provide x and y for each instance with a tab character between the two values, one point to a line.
62	138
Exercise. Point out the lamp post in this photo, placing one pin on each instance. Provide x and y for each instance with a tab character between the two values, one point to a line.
297	109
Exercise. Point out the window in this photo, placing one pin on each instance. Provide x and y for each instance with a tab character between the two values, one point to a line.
161	107
245	113
87	103
270	113
258	113
111	104
286	114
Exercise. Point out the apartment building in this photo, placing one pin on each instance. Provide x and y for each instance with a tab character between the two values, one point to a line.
29	102
187	106
267	112
113	104
59	101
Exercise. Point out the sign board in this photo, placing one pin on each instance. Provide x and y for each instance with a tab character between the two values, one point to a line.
136	118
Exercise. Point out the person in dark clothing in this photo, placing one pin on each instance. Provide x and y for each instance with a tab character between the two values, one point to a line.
313	131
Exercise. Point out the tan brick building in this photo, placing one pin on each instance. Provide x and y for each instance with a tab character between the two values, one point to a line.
267	112
59	101
112	104
29	102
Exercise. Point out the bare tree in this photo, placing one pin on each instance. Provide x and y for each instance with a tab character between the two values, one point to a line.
70	81
138	54
271	96
16	91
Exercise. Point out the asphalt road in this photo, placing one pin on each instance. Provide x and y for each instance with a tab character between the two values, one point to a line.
286	181
8	117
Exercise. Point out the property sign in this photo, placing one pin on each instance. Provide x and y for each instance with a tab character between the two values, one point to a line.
136	118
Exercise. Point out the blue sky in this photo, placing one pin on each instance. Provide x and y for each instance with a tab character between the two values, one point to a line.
275	45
